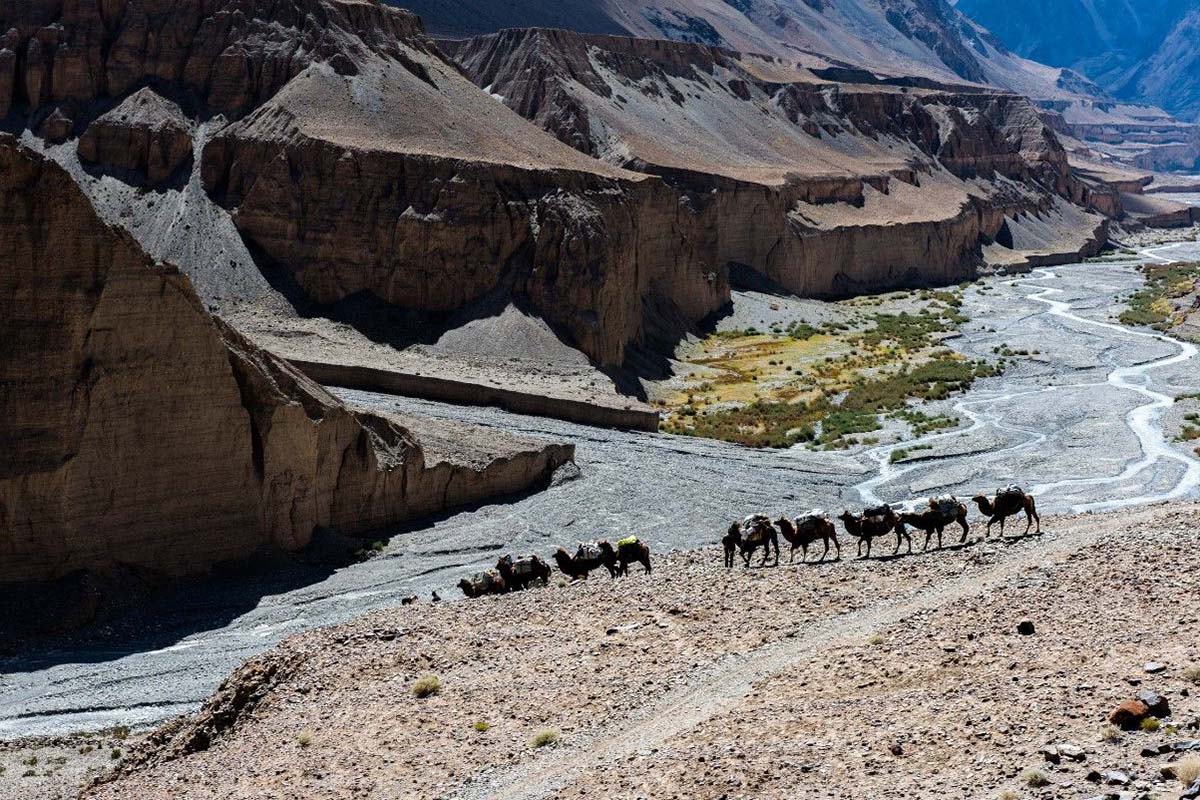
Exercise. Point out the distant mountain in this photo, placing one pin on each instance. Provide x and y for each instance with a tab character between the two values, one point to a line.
910	37
1144	51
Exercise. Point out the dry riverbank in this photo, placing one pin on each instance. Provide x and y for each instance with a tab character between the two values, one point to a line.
889	678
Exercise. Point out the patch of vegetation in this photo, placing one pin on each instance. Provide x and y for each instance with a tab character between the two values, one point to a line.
1152	304
831	386
304	738
1110	734
115	754
482	726
1192	674
1150	725
426	686
544	737
1035	778
1187	769
902	453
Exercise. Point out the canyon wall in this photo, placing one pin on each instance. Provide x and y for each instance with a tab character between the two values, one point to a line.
142	431
828	188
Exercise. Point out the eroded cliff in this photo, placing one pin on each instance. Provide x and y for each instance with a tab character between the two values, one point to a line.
142	431
829	187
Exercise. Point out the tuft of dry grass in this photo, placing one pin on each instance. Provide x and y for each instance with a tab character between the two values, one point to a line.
1034	778
1192	673
304	738
544	737
1150	725
1110	734
1188	769
1009	794
483	726
426	686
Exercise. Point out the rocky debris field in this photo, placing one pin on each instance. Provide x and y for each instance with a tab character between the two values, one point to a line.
882	678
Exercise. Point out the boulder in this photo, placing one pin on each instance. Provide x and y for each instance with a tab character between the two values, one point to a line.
1158	705
1129	714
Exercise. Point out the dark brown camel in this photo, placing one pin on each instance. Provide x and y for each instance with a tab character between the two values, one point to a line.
941	513
483	583
628	551
807	530
587	558
757	531
872	524
732	540
521	573
1009	502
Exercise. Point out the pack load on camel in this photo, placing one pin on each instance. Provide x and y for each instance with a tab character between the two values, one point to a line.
1010	501
482	583
629	550
520	573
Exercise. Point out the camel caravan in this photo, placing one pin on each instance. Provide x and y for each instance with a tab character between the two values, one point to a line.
758	532
514	575
931	517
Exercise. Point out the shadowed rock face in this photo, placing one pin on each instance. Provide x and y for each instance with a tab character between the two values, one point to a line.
146	135
362	162
143	431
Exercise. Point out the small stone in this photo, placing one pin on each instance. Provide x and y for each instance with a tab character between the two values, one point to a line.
1129	715
1051	754
1072	752
1115	777
1154	701
1153	667
1026	628
897	749
1167	771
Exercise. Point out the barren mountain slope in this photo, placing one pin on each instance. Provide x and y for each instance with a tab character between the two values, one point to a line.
884	678
827	187
1141	51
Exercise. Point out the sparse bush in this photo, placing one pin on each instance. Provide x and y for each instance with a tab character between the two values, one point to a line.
1010	794
30	762
426	686
121	732
544	737
482	726
1192	674
115	754
876	639
1110	733
1150	725
304	738
29	773
1035	778
1187	770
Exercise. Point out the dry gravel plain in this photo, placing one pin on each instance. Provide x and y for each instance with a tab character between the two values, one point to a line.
889	678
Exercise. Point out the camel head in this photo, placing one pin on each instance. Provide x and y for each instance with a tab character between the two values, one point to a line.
466	587
981	500
735	529
852	521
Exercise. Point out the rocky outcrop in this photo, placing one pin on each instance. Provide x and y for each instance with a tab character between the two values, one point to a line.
146	134
144	432
227	56
829	189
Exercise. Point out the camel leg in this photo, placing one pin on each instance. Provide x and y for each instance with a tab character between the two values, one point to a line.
928	536
838	545
966	529
939	531
826	553
1002	527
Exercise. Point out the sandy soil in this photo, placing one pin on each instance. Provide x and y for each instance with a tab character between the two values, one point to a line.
887	678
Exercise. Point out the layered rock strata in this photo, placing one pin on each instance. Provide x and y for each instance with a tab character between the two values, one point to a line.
144	432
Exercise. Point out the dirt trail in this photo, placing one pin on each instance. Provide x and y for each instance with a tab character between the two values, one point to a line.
720	688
